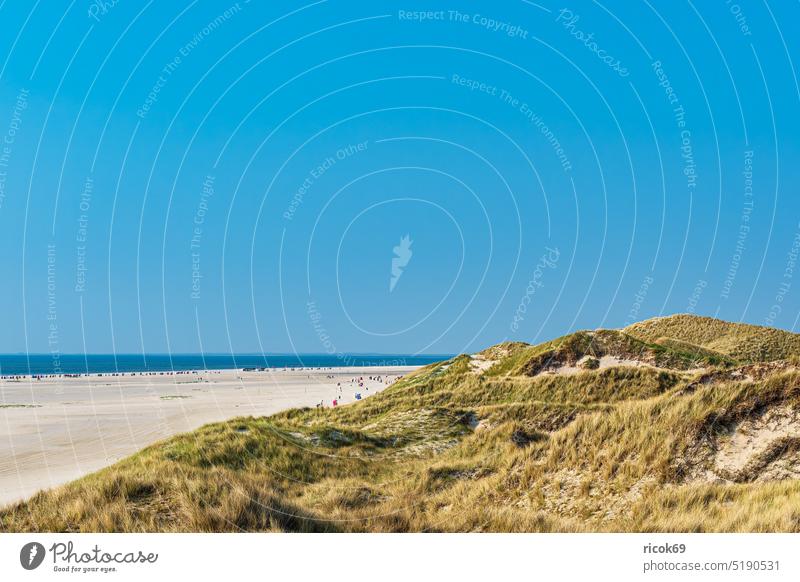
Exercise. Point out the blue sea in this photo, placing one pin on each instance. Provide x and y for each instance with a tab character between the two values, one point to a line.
46	364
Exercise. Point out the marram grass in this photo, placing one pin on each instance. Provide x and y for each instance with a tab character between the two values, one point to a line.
517	447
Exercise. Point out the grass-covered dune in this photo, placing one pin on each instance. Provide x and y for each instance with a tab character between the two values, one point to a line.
674	424
746	343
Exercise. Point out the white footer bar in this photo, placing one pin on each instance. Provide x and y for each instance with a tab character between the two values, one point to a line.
414	557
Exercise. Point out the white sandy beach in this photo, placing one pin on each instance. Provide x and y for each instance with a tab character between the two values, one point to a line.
54	430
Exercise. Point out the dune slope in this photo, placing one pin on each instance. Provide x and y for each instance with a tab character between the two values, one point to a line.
663	426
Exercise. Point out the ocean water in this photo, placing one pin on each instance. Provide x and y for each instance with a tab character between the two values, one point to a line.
44	364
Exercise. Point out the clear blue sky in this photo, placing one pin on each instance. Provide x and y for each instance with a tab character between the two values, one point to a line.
188	177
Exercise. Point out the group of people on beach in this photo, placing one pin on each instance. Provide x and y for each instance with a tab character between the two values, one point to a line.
105	374
149	373
360	383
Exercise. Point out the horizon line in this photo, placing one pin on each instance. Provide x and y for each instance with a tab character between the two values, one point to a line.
205	354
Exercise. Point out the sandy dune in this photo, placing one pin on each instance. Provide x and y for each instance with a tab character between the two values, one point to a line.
55	430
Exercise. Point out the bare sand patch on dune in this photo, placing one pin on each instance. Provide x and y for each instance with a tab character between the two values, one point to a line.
478	363
762	448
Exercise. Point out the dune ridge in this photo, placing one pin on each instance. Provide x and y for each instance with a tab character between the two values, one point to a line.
673	424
